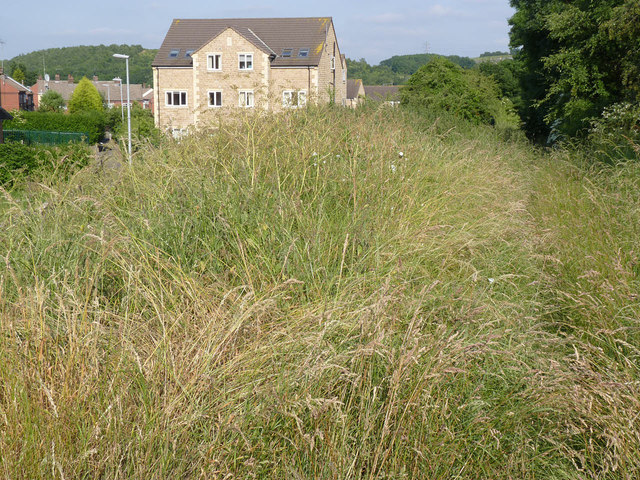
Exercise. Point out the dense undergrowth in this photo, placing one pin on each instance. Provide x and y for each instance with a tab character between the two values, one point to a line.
326	294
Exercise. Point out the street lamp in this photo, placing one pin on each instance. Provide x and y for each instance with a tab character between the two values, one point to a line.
126	58
119	80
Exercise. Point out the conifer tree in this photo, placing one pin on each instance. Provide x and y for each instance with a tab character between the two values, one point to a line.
85	98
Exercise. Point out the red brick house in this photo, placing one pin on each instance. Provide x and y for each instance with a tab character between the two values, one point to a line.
14	95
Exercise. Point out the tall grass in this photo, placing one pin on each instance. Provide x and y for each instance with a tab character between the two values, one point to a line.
291	297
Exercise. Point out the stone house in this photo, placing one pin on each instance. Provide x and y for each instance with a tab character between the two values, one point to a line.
355	92
205	67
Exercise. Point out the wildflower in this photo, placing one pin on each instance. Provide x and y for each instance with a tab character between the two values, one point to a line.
400	154
393	168
491	280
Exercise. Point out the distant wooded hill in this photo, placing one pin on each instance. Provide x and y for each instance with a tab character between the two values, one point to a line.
98	60
397	69
86	61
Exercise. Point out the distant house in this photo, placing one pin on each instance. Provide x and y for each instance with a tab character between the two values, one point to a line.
388	94
109	89
4	115
206	66
355	92
14	95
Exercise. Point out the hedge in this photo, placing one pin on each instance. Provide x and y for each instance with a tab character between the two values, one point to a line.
94	123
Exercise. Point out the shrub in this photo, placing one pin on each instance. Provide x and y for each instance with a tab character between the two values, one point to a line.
51	101
142	125
615	135
18	160
442	85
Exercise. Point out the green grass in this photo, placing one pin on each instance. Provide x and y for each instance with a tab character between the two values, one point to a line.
288	297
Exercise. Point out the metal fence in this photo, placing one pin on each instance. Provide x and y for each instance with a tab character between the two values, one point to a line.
41	137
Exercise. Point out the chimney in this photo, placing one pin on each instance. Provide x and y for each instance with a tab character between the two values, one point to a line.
39	77
95	78
70	78
57	77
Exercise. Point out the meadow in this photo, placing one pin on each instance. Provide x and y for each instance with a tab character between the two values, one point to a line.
324	294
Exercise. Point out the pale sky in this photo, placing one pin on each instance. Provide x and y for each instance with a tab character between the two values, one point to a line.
374	30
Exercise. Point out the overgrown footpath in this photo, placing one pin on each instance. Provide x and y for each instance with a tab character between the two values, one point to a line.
327	294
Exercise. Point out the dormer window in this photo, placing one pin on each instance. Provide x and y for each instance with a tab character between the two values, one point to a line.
174	53
287	52
303	52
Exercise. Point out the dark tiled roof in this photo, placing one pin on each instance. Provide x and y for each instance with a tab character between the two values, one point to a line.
353	87
386	93
17	85
271	35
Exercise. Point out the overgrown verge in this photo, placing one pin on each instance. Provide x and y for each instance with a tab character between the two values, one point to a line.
326	294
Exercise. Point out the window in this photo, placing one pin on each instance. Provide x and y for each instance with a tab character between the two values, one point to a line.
176	99
214	61
333	63
294	99
245	61
303	52
246	98
287	52
215	98
188	53
174	53
344	76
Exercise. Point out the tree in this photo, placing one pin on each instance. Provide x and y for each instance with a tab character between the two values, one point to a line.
18	75
51	102
85	98
578	57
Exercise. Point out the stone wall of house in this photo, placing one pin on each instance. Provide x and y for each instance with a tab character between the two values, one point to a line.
229	79
171	117
293	80
327	75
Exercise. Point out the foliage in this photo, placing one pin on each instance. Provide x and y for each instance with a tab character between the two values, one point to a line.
409	64
374	75
442	85
18	75
93	123
18	161
51	101
85	98
615	135
90	60
578	57
506	74
142	125
397	69
494	54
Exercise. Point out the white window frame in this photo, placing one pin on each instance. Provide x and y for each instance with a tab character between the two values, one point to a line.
209	92
209	63
246	56
287	98
172	93
244	96
333	63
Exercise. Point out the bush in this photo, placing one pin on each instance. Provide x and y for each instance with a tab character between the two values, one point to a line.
18	160
615	135
142	126
442	85
51	101
93	123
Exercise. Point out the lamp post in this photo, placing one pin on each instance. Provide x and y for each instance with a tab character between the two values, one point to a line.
119	80
126	58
